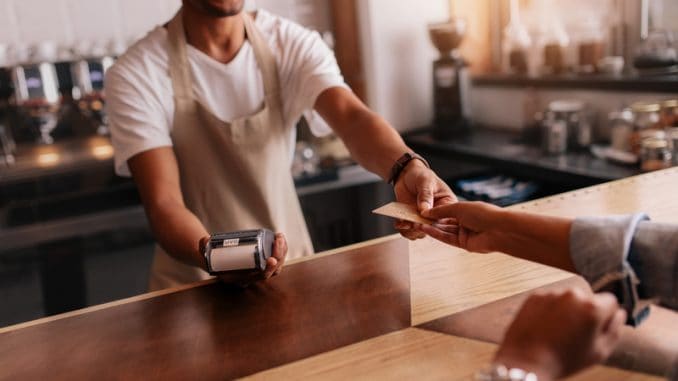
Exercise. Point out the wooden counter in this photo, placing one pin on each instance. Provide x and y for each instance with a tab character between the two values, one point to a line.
387	309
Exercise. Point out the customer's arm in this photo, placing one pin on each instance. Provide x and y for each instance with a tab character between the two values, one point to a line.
601	249
482	228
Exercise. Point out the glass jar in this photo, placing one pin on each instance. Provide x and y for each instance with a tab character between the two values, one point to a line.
669	113
672	138
516	44
646	117
553	41
621	129
590	45
655	154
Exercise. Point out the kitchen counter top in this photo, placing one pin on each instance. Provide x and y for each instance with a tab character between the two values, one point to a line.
382	309
506	150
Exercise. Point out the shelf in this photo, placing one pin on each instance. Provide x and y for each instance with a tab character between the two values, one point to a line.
662	84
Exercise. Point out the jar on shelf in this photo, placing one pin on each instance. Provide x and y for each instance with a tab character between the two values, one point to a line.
591	41
621	129
646	121
655	154
669	113
552	41
672	138
516	44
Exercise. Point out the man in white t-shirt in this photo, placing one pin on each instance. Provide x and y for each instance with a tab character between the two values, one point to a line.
202	114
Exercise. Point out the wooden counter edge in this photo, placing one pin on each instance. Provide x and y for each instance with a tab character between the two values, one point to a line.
171	290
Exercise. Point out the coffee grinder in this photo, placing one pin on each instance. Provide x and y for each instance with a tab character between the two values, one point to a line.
450	80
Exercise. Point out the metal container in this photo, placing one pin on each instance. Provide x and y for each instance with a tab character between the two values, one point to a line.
655	153
554	136
575	115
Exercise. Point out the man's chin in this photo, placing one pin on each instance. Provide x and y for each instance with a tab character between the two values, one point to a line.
219	11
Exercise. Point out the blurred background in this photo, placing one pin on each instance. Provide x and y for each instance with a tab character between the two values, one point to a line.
510	100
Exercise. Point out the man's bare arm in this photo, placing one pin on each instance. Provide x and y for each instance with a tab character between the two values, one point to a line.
176	228
369	138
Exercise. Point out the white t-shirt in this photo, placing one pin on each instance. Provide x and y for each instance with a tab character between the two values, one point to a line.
139	95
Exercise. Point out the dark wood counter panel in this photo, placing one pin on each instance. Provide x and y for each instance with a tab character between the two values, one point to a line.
214	332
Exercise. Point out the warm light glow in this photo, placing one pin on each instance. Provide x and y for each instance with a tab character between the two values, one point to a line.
48	159
103	151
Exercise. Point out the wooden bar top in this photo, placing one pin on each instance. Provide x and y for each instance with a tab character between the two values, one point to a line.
348	313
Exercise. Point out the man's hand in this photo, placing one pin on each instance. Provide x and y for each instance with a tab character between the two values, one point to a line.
419	185
274	266
557	334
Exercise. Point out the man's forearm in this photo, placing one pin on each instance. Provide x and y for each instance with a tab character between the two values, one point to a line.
372	142
178	231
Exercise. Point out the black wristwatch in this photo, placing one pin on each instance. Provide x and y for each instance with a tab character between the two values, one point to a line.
401	163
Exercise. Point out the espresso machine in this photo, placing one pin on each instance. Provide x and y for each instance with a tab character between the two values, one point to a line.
36	91
451	82
88	74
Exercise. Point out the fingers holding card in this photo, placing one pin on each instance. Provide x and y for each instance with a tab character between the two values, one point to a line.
402	211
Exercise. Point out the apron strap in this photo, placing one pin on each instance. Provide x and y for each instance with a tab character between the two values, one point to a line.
263	54
179	68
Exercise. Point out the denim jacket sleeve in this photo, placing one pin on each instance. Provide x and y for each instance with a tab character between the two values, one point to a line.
604	249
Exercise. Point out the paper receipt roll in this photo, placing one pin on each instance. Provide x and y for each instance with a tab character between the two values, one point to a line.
233	258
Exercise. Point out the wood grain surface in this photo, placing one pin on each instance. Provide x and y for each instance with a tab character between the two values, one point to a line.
342	314
447	280
489	321
413	354
213	332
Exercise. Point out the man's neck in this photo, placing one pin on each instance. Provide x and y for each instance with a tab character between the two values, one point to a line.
219	37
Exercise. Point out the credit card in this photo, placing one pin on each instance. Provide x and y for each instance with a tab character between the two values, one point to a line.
402	211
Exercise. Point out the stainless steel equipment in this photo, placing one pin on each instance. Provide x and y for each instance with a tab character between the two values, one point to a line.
36	92
576	116
7	146
88	74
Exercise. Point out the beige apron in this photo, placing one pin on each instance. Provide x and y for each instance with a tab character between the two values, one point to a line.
234	176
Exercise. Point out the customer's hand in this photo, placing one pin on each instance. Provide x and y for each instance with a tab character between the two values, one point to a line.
484	228
474	226
556	334
419	185
274	266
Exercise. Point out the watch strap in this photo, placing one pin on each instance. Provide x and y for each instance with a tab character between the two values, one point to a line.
401	163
